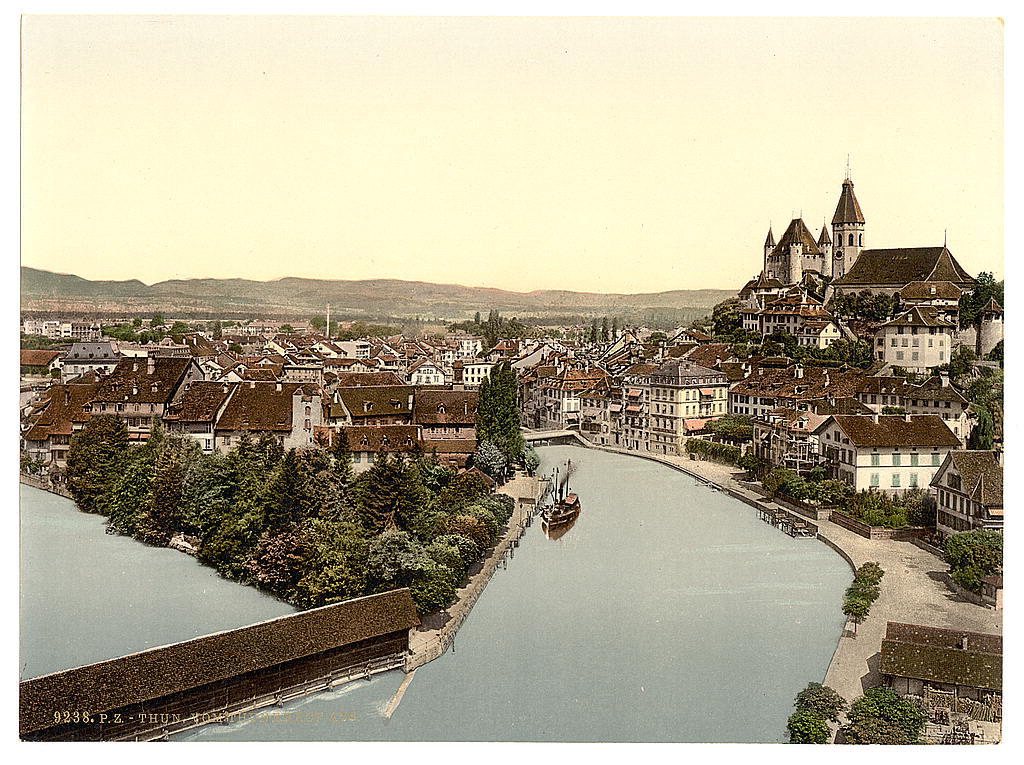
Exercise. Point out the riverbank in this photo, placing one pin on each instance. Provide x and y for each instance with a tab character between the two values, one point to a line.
913	590
438	632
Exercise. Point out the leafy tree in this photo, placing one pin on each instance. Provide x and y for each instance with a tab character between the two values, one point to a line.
856	608
95	460
531	461
157	320
737	426
131	493
173	456
287	329
433	590
807	728
490	459
777	478
394	560
882	716
472	528
218	330
725	318
973	555
996	354
278	561
336	564
751	463
971	304
821	700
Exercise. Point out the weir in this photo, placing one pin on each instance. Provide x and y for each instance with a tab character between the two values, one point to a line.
153	693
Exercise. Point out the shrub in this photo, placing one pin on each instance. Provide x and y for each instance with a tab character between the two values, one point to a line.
472	528
807	727
882	716
821	700
777	478
972	555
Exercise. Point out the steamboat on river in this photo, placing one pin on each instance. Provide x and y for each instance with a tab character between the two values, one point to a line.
565	508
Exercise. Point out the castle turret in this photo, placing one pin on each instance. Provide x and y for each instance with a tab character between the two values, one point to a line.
847	230
769	245
990	328
825	245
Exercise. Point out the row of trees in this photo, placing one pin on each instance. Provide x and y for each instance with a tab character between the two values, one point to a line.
600	332
914	507
814	488
296	523
864	591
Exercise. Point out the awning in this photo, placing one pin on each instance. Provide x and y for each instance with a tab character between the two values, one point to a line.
693	425
615	408
634	392
634	408
707	391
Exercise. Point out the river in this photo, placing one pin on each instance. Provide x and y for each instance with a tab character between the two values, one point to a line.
669	612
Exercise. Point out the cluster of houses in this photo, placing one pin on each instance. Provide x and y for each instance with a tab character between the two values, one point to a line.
393	394
873	428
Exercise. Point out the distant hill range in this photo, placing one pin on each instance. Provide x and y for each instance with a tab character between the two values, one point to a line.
291	297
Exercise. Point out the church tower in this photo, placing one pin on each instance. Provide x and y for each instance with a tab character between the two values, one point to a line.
847	230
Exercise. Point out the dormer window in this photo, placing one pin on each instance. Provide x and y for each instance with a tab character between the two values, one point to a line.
367	406
364	441
440	409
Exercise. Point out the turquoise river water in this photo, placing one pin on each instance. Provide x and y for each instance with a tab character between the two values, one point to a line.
668	612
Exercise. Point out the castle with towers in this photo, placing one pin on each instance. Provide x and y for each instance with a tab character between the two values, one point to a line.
797	254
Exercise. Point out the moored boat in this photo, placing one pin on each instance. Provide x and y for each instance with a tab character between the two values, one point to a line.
566	507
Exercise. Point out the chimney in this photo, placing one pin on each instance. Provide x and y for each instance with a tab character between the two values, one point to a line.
225	388
874	418
827	379
252	384
277	387
135	391
907	416
944	379
963	643
150	365
135	366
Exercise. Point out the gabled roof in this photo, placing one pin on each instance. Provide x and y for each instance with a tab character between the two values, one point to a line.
200	402
377	400
382	438
903	265
445	407
980	473
797	233
927	430
937	655
923	290
920	316
36	358
132	381
259	407
848	210
62	407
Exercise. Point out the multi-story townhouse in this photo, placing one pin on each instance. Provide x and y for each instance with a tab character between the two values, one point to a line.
288	411
767	388
889	453
636	389
61	412
684	396
968	490
934	396
197	411
366	444
139	391
372	405
422	371
916	340
85	357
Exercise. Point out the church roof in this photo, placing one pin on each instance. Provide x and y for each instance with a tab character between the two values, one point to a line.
797	233
848	209
903	265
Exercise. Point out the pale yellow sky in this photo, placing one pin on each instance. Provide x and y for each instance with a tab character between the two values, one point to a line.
613	155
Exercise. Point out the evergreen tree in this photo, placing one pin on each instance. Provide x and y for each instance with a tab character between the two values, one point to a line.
615	328
983	433
476	319
389	496
95	460
342	454
284	505
604	329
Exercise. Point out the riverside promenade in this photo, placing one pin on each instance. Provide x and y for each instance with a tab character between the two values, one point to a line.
437	633
912	590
